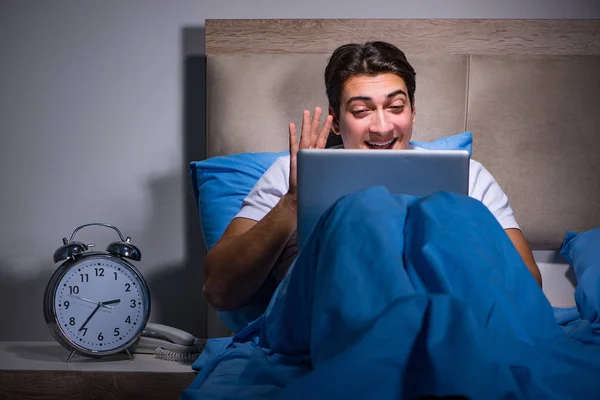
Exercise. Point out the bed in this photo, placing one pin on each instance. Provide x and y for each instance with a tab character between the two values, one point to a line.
527	90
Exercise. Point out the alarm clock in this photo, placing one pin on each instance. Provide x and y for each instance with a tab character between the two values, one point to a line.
97	303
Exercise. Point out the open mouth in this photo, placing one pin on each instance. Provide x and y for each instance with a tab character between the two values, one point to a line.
381	145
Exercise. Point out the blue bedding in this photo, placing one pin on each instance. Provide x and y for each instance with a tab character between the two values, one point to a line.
402	297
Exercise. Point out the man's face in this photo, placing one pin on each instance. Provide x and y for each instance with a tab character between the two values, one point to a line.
375	113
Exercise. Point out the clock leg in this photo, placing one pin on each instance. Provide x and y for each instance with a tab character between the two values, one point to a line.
71	356
129	354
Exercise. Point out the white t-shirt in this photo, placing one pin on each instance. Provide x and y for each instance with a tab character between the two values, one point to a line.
275	183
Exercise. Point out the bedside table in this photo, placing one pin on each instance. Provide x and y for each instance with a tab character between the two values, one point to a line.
38	370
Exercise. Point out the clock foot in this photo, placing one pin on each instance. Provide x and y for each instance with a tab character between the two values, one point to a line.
129	354
71	356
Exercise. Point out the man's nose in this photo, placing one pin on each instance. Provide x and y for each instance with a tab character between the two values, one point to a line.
380	123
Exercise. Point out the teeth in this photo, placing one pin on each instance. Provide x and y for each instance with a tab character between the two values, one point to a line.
380	144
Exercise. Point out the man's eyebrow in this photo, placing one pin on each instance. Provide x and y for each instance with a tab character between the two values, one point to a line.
366	98
396	93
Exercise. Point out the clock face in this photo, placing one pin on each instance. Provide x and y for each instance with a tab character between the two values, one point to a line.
100	304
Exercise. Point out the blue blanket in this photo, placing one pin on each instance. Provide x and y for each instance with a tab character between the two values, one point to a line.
401	297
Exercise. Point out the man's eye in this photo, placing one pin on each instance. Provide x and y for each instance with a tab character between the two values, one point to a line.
359	112
397	108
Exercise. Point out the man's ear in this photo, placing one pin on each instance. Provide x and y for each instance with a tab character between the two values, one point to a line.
335	126
414	112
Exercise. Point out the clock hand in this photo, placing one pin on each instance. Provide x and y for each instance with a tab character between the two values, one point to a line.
104	303
87	300
91	315
83	298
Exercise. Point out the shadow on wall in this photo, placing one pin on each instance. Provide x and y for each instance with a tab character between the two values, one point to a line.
194	149
177	289
21	300
175	285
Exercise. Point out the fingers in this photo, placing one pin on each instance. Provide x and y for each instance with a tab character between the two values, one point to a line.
293	139
293	159
312	137
314	126
324	134
305	138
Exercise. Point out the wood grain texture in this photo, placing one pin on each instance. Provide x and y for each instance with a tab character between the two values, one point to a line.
413	36
77	385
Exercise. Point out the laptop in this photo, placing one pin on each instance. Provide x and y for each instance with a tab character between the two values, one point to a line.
325	175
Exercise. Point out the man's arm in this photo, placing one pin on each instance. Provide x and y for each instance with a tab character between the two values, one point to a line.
239	263
520	243
241	260
483	186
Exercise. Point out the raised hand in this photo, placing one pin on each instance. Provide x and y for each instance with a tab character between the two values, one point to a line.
311	138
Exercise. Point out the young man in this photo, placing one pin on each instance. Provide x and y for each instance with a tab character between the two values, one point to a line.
370	89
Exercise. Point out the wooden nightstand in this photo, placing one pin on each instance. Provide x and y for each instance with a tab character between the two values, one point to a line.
38	370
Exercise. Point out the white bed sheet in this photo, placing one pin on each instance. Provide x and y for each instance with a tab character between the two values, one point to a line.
558	278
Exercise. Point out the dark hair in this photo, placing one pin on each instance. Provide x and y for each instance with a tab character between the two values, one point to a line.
371	58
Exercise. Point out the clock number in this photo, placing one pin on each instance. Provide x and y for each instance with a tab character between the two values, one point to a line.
128	320
133	303
73	289
100	337
128	287
115	275
72	321
84	331
84	277
67	304
117	332
99	271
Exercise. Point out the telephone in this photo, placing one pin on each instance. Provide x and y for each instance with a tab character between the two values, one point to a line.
168	343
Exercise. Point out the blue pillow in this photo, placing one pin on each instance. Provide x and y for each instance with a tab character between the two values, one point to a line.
582	251
460	141
221	183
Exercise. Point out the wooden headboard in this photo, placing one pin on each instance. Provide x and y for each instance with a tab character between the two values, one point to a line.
528	90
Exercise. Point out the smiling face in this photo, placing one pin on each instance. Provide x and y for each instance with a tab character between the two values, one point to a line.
375	113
